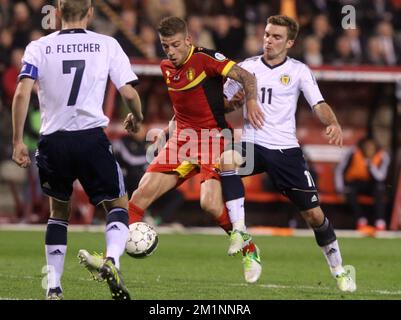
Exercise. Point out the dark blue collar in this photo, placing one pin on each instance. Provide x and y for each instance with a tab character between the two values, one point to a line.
275	66
72	31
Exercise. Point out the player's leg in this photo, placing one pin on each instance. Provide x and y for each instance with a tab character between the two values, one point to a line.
116	235
56	246
116	228
233	188
102	180
56	177
244	154
150	188
211	201
289	172
326	239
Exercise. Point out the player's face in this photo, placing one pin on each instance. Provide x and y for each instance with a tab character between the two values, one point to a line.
275	41
176	47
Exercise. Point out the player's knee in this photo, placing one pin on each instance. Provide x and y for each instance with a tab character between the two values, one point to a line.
210	204
145	193
314	217
121	202
59	209
230	160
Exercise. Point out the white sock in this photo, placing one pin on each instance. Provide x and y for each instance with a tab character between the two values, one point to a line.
55	255
116	238
333	257
236	212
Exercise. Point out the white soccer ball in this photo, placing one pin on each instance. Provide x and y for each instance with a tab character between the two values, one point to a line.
142	240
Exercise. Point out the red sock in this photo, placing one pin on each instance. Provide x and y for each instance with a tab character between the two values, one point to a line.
135	214
224	221
249	248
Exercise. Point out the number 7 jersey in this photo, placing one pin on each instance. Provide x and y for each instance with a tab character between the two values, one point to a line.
72	67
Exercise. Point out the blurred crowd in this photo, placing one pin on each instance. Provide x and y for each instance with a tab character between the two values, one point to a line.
234	27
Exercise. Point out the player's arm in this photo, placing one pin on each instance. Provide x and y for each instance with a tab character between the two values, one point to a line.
19	112
248	82
133	102
329	119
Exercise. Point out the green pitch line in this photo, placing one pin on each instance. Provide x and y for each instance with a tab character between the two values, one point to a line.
197	267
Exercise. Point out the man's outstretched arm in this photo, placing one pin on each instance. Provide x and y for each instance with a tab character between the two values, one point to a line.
329	119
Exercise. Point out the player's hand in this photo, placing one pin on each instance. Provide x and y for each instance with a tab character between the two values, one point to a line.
255	114
335	134
21	155
237	100
131	124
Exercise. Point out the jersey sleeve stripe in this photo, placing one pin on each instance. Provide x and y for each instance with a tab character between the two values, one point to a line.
192	84
227	68
28	71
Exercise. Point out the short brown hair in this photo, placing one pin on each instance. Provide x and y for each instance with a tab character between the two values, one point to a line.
172	25
72	10
285	21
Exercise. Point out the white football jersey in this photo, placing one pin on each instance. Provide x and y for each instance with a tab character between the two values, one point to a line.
72	68
279	87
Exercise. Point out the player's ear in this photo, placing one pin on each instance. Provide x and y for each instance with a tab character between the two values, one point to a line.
188	40
58	11
290	43
90	13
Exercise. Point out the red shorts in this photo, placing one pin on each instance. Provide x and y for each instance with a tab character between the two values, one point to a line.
189	154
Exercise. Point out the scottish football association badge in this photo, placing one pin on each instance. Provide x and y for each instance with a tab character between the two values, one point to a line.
285	79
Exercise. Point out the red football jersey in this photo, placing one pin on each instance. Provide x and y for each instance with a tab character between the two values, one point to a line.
196	89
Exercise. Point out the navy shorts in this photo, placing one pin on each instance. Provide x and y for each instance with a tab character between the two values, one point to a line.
86	155
288	170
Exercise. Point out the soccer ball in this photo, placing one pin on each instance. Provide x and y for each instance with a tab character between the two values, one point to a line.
142	240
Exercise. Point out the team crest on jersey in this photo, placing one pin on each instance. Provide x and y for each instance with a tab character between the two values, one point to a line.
190	74
285	79
219	56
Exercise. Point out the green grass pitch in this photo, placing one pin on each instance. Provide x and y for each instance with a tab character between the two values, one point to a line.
197	267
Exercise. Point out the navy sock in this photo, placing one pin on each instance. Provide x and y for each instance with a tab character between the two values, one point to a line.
324	234
233	188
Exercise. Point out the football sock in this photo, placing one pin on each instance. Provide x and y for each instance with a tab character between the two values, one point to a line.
327	241
135	214
56	248
224	221
333	257
116	234
234	193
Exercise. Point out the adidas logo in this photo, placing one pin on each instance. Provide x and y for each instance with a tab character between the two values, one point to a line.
113	227
313	199
56	252
331	251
